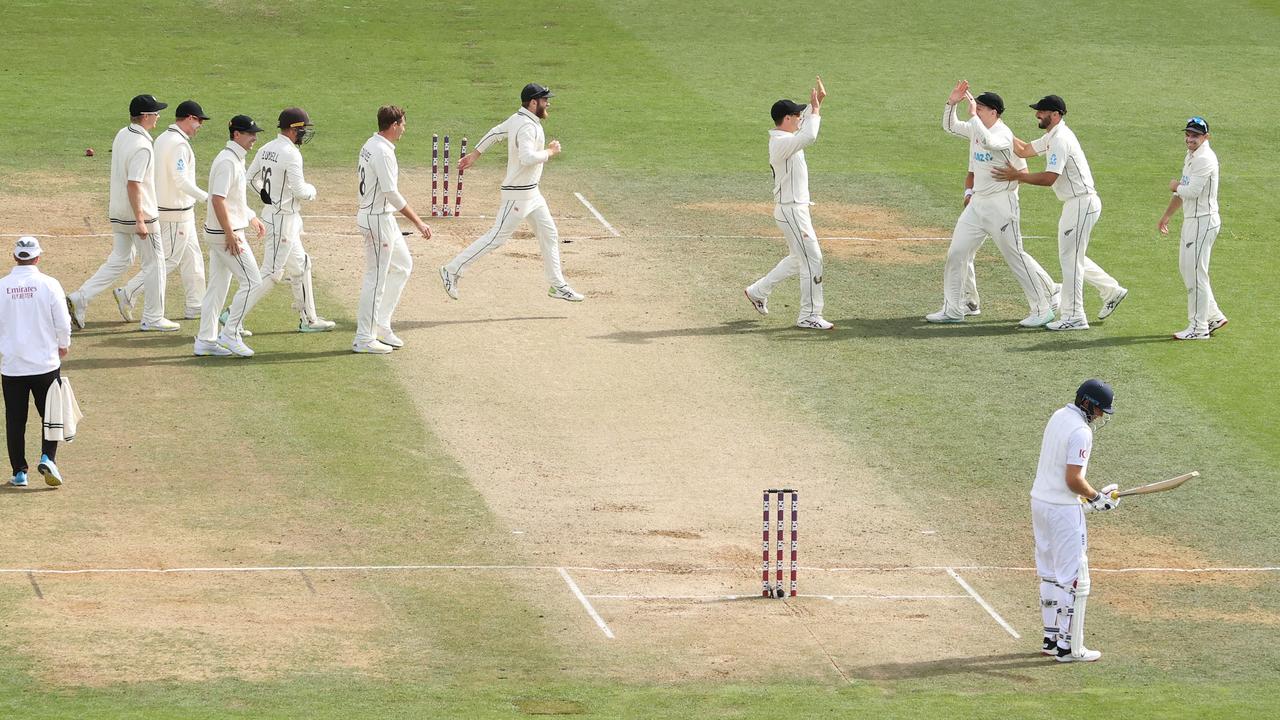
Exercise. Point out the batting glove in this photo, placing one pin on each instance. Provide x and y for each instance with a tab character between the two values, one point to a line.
1102	501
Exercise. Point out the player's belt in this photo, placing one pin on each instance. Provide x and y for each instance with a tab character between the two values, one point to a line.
130	222
519	187
192	206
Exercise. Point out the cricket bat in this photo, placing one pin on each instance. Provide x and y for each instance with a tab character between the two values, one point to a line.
1156	487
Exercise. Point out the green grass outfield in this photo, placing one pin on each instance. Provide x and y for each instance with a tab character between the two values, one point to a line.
661	104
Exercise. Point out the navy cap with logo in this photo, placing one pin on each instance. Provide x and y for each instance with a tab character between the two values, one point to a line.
190	108
991	100
783	108
144	104
244	123
1052	103
1098	393
1198	125
534	91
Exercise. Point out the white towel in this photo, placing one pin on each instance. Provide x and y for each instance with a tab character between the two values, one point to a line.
61	412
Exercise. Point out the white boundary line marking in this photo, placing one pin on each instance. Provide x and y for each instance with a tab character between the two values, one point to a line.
612	231
985	605
585	603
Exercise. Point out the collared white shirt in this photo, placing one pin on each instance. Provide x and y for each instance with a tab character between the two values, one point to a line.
227	180
277	168
786	159
176	189
132	160
33	322
1198	187
1065	157
378	175
526	154
989	148
1068	440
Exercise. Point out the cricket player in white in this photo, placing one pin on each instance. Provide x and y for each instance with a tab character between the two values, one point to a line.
1196	193
1067	171
1060	496
521	199
133	212
176	195
992	210
386	254
229	252
276	175
795	128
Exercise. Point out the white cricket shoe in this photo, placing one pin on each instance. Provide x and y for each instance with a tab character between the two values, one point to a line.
1035	321
123	304
760	304
161	325
450	282
564	292
235	345
315	326
942	317
1086	655
373	347
1110	304
390	339
204	348
1216	325
77	308
971	308
1067	325
1191	334
814	322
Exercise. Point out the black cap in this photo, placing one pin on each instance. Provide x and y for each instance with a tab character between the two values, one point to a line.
991	100
190	108
533	91
293	117
1096	392
783	108
141	104
244	123
1198	124
1051	102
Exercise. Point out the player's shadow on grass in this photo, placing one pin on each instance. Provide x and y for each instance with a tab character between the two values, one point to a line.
1073	341
428	324
910	328
1004	666
262	356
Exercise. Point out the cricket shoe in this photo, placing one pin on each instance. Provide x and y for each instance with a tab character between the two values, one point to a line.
77	309
814	322
1191	334
123	303
19	479
390	339
760	304
1067	325
191	314
1086	655
222	320
564	292
942	317
235	345
1035	321
1216	325
52	477
971	308
372	347
161	325
1109	306
1050	647
450	282
315	326
204	348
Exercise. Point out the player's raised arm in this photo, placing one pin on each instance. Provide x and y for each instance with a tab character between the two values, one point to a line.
950	120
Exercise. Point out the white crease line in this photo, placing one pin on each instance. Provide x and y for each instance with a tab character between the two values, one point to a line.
612	231
468	216
712	598
586	603
985	605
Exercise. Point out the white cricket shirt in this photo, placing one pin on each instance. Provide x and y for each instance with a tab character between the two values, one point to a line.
176	189
227	180
786	159
132	160
1068	440
989	148
277	168
33	322
1065	157
1198	187
525	153
378	173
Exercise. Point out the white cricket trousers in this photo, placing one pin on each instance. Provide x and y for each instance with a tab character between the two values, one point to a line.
1062	544
997	216
805	260
1198	235
1079	215
123	248
387	265
510	214
284	258
182	253
222	267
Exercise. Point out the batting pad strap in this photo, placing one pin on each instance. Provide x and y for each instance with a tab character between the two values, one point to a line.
1048	602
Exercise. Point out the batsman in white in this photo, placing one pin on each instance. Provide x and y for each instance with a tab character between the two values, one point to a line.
1060	496
176	194
795	128
229	252
521	199
1067	171
276	175
387	262
992	210
1196	193
133	212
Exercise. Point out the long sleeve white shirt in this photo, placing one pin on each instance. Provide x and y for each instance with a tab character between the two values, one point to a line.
132	160
989	148
1198	187
33	322
227	179
176	189
526	153
786	158
1065	157
378	173
277	168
